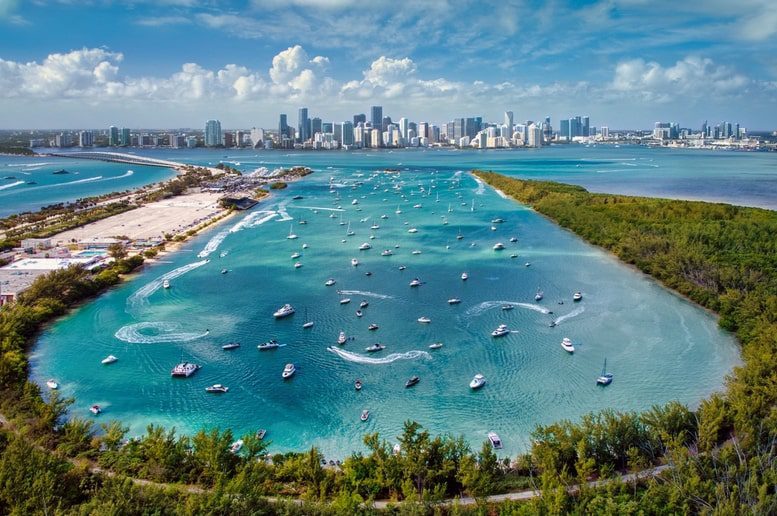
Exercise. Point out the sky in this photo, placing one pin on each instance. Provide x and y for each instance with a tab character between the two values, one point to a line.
176	63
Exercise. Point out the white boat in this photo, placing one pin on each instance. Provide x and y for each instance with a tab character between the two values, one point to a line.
224	271
424	320
415	283
236	446
497	221
435	345
230	345
108	360
365	415
288	371
500	331
464	276
217	388
51	384
402	267
184	369
166	284
364	303
345	300
459	236
308	324
513	239
567	345
539	295
357	385
577	296
374	226
359	313
397	449
291	235
298	265
95	409
304	246
270	344
605	378
454	301
375	347
284	311
365	246
527	264
261	433
354	262
398	212
499	246
384	216
373	327
342	338
496	442
493	228
477	382
295	256
330	282
355	202
415	251
386	252
416	206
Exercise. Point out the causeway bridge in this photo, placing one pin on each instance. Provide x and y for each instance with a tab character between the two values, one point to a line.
119	157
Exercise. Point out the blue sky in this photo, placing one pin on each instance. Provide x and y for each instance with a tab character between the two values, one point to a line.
175	63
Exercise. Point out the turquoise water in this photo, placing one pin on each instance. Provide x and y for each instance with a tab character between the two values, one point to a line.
658	346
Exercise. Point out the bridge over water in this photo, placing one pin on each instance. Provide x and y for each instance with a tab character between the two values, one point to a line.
119	157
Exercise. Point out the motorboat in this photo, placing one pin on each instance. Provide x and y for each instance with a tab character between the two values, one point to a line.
373	327
368	273
496	442
513	239
459	236
295	256
108	360
513	256
365	246
354	262
507	307
552	324
236	446
539	295
527	264
500	331
435	345
355	202
424	320
417	206
415	251
270	344
296	198
297	265
375	347
224	271
305	246
357	385
493	228
577	296
217	388
374	226
454	301
415	283
567	345
51	384
365	415
284	311
341	339
364	304
477	382
261	433
230	345
330	282
386	252
402	267
345	300
288	371
184	370
166	284
464	276
412	230
359	313
384	216
412	381
499	246
497	221
95	409
605	378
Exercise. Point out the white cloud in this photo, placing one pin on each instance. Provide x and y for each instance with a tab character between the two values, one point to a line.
288	64
384	71
161	21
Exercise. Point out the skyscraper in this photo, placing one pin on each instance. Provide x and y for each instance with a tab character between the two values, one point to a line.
113	136
361	118
315	126
376	117
125	137
585	130
212	133
347	133
509	119
85	139
404	126
303	125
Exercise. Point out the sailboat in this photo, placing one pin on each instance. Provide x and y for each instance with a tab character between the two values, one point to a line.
472	208
349	232
308	324
291	236
449	208
459	236
605	378
398	210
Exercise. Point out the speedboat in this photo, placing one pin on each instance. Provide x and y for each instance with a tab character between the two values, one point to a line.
51	384
345	300
288	371
454	301
304	246
412	381
501	331
307	325
416	251
412	230
577	296
375	347
386	252
357	385
224	271
330	282
477	382
284	311
374	226
341	339
416	206
354	262
230	345
296	197
217	388
364	304
365	246
184	369
359	313
355	202
373	327
493	228
365	415
513	256
261	433
166	284
95	409
424	320
415	283
552	324
507	307
384	216
236	446
270	344
402	267
496	442
464	276
567	345
295	256
499	246
108	360
527	264
368	273
513	239
539	295
605	378
497	221
297	265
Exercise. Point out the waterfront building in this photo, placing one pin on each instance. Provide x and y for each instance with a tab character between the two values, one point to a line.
228	139
375	138
404	126
376	117
605	132
315	127
361	118
534	136
125	137
85	139
113	136
563	130
585	128
257	138
213	136
63	140
303	125
509	119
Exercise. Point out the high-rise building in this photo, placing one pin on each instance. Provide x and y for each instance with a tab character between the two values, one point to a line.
85	139
327	127
585	129
303	125
423	130
213	133
257	137
347	133
284	131
376	117
361	118
229	139
534	136
509	119
563	129
125	137
605	132
404	125
471	127
458	129
113	136
315	126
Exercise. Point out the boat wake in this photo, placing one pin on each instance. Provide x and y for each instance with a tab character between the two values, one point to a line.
319	208
361	359
213	244
364	293
488	305
86	180
159	332
481	189
285	217
11	185
251	221
576	311
140	296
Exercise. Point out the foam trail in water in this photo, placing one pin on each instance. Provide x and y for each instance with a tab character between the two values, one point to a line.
282	212
576	311
213	244
11	185
361	359
87	180
364	293
163	332
481	189
321	208
487	305
142	294
251	220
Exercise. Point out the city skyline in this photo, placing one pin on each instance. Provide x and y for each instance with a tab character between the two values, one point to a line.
176	62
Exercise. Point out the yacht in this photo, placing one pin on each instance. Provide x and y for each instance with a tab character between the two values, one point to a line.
501	331
330	282
288	371
373	327
51	384
166	284
359	313
374	226
296	198
365	415
355	202
412	230
384	216
507	307
402	267
397	449
236	446
424	320
577	296
341	339
416	206
412	381
435	345
605	378
304	246
217	388
368	273
459	236
184	369
270	344
527	264
364	304
567	345
357	385
496	442
291	235
415	251
513	239
493	228
415	283
365	246
464	276
499	246
284	311
398	212
354	262
224	271
454	301
230	345
539	295
95	409
477	382
261	433
298	265
295	256
108	360
375	347
345	300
